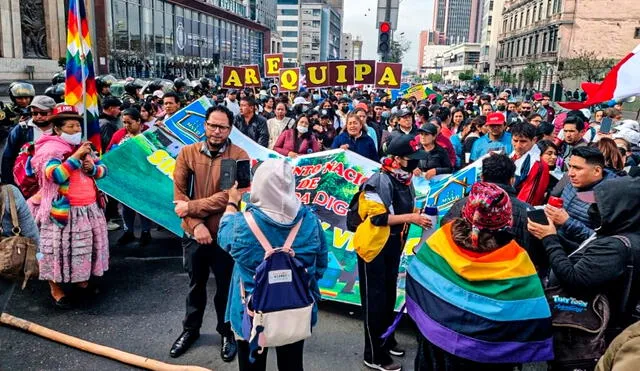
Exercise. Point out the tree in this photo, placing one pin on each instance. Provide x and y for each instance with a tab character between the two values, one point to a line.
505	77
434	78
466	75
531	73
482	81
585	66
398	49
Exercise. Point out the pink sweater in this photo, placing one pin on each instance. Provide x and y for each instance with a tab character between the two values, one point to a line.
287	143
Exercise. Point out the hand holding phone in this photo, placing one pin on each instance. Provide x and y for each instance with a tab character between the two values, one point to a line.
538	216
605	125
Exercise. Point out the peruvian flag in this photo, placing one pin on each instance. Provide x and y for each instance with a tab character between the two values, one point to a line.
623	81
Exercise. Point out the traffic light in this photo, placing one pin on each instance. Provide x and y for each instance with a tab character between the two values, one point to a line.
384	38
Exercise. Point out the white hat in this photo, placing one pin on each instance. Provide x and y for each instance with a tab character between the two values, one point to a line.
631	136
158	94
299	100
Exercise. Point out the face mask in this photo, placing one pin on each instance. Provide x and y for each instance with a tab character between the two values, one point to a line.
344	109
316	97
303	129
501	108
73	139
385	114
411	166
390	128
403	106
304	108
525	112
40	124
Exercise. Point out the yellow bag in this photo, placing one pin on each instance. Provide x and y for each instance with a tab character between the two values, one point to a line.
369	239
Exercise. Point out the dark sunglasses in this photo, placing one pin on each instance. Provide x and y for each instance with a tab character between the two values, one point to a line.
39	113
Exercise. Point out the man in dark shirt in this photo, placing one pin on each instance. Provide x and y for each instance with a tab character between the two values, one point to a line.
252	125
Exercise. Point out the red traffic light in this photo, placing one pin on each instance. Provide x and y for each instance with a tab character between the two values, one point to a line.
385	27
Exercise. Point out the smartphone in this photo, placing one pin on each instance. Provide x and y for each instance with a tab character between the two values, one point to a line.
227	173
538	216
243	173
605	125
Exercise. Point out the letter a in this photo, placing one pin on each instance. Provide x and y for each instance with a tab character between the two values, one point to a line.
388	78
234	79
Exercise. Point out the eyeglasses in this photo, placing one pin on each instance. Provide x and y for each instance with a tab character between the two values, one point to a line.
216	127
40	113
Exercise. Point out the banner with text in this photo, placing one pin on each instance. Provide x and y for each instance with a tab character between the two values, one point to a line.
326	181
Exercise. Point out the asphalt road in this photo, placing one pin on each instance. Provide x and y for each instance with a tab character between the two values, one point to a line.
140	309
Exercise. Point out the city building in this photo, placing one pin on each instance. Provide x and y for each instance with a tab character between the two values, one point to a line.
490	30
544	32
432	56
459	58
262	12
357	48
311	31
346	46
456	21
33	37
288	26
179	37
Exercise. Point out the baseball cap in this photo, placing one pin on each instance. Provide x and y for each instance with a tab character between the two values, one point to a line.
405	146
495	118
43	102
631	136
363	106
537	96
158	94
428	129
404	112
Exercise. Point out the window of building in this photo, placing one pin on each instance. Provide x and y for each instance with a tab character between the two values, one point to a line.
289	44
288	23
288	11
489	20
289	33
535	45
636	35
316	12
515	22
521	19
548	8
533	15
315	24
540	11
527	20
544	42
290	55
490	5
518	49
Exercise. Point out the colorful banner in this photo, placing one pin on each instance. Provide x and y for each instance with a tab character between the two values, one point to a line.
326	181
416	91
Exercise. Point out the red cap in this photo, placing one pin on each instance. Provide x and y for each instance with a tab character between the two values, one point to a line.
363	106
65	111
537	96
495	118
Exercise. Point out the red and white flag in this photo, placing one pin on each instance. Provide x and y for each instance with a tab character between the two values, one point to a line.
623	81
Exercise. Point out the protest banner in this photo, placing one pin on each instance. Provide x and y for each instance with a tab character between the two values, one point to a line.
365	72
317	75
341	73
232	77
388	75
140	176
416	91
252	76
272	64
289	79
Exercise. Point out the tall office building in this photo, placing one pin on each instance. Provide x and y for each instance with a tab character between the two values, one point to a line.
357	47
490	30
288	27
456	21
346	46
262	12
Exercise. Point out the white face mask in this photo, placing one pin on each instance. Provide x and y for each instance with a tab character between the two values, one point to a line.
73	139
303	129
390	128
403	106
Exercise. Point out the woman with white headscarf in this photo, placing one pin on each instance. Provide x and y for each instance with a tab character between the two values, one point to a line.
276	210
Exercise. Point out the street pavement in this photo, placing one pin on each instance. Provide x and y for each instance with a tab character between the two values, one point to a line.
140	309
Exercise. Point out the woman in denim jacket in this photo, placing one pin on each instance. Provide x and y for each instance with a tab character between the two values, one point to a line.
276	209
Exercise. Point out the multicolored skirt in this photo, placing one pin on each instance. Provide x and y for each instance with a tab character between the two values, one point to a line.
78	250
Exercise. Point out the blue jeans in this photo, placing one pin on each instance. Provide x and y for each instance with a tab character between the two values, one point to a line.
129	216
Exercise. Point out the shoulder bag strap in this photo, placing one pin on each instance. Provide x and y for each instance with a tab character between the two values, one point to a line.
15	221
292	236
3	197
262	239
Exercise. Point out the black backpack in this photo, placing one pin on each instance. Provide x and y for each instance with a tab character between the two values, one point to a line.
353	217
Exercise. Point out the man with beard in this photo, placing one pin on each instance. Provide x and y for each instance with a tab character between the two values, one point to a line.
200	202
27	131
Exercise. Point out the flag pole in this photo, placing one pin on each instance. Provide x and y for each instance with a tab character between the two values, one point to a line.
83	65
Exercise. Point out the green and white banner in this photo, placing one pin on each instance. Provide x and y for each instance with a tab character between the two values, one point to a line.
141	170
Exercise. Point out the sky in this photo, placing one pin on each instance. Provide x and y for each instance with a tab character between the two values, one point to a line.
360	20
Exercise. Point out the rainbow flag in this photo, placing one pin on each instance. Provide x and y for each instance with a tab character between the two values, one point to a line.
484	307
80	85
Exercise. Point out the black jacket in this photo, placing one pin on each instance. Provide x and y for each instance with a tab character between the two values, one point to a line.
519	229
108	126
438	159
600	265
256	129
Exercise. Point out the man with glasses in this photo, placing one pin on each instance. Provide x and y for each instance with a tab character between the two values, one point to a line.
200	202
27	131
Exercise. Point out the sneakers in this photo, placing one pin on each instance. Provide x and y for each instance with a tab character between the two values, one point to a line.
145	238
393	366
126	238
112	226
396	351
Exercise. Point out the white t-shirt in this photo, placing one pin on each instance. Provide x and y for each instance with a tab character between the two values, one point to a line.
232	106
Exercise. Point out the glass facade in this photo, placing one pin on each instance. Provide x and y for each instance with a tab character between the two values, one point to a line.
155	38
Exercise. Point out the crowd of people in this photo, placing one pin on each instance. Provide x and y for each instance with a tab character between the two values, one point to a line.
571	165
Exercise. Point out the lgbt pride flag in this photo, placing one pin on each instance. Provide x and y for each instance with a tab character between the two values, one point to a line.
80	85
484	307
